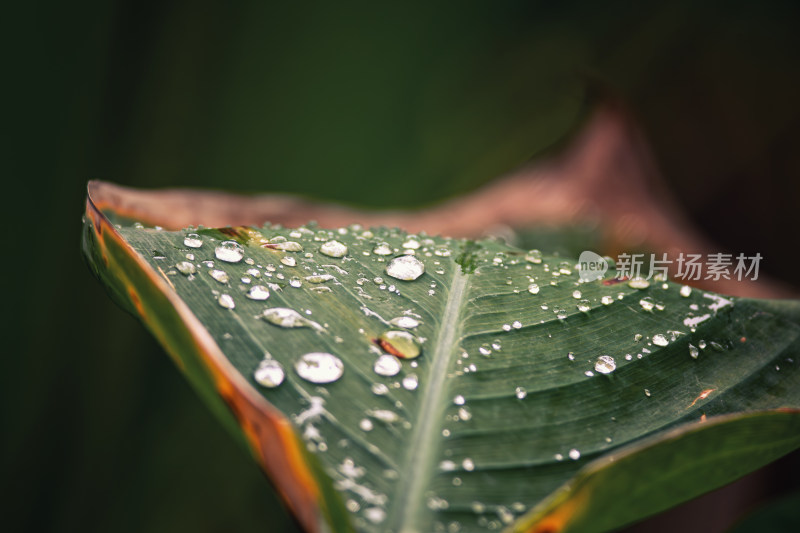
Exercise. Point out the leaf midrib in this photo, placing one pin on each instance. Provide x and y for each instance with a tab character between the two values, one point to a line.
422	448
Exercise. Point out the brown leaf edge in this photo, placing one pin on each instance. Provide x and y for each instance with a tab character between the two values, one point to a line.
604	178
268	434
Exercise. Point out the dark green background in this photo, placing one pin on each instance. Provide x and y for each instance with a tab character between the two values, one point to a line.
377	104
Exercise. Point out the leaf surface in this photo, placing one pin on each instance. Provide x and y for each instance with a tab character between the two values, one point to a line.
505	419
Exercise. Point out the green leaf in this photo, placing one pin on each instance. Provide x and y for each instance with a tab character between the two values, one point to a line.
503	419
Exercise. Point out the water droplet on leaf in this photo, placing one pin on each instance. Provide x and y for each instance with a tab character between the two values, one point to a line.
405	267
387	365
269	373
693	351
229	251
382	249
319	278
286	318
411	382
605	364
288	246
186	268
647	303
405	322
226	301
400	343
258	292
660	340
333	249
319	367
193	240
219	275
534	256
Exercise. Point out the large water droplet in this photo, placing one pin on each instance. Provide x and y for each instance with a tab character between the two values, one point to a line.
193	240
400	343
533	288
660	340
229	251
605	364
269	373
574	454
319	367
686	291
405	267
387	365
258	292
584	306
289	261
333	249
520	393
607	300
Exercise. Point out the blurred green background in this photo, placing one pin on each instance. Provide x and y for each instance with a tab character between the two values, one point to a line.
376	103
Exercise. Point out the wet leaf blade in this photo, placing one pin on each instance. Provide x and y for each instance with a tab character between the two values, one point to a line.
622	486
531	415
